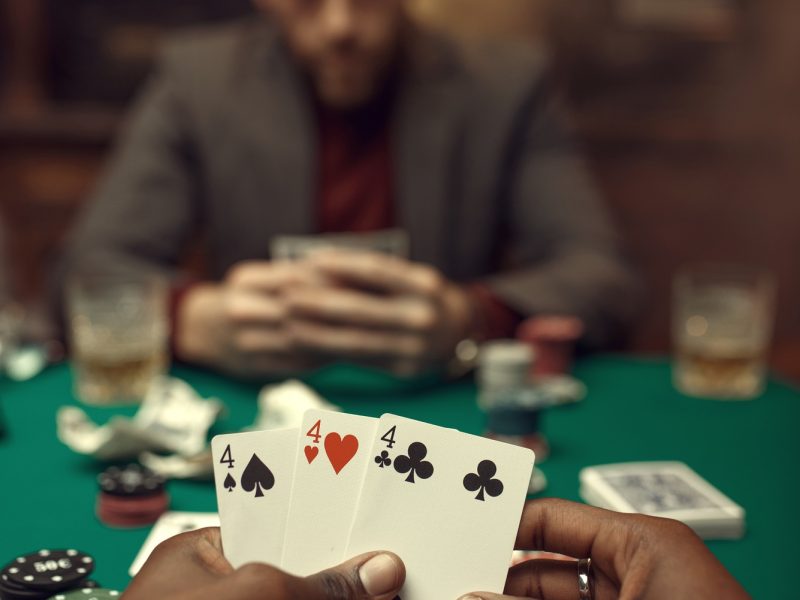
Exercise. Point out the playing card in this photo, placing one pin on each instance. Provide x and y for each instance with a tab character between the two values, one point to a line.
393	242
333	451
253	477
447	503
168	525
664	489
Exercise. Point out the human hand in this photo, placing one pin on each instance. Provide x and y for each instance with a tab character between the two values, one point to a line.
190	566
633	557
239	325
381	310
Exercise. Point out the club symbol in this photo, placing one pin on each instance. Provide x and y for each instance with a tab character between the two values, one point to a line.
414	463
383	460
229	483
482	481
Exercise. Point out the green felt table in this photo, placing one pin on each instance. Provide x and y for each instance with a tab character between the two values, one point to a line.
747	449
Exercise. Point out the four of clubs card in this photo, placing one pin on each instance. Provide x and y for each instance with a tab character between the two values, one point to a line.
446	502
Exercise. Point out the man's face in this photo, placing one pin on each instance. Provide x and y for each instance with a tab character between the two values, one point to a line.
346	46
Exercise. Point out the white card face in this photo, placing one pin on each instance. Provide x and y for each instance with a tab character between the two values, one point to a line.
333	451
447	503
253	477
168	525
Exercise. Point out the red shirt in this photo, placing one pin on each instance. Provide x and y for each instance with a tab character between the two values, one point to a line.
356	194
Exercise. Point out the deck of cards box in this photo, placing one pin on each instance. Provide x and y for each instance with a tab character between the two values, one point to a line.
664	489
448	503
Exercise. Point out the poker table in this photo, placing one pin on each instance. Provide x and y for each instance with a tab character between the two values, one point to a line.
631	413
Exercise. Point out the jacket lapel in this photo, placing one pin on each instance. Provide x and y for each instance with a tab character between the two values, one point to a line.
426	136
282	139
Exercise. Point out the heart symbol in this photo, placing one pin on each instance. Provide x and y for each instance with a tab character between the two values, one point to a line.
311	453
340	450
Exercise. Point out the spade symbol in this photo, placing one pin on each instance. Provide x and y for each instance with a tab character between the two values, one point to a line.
483	481
257	476
229	483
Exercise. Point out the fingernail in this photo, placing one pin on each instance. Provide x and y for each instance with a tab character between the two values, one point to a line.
379	575
470	597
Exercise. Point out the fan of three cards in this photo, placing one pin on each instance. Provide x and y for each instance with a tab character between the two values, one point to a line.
306	499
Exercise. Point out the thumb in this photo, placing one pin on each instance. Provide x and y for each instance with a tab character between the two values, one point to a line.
372	576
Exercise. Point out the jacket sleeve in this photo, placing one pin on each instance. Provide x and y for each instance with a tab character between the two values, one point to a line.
144	208
564	255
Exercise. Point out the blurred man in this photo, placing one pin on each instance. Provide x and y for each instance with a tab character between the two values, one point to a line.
334	116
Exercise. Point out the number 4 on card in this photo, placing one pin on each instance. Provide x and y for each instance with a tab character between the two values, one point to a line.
388	437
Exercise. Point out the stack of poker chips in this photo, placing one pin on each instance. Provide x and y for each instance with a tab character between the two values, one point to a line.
504	381
45	574
88	594
133	496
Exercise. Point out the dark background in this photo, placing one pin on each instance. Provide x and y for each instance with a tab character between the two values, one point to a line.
689	111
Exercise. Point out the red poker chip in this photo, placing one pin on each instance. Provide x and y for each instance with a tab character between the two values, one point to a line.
136	505
115	520
131	511
554	339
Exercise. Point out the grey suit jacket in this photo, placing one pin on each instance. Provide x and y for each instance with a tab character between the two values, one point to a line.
488	184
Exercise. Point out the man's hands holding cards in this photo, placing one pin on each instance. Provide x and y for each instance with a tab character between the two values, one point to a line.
343	485
281	317
633	557
191	566
239	324
380	309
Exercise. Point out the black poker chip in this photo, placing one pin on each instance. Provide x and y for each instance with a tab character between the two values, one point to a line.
133	480
13	591
87	593
46	571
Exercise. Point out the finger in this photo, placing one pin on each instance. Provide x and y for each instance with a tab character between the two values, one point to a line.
555	580
548	580
488	596
575	530
248	307
208	550
378	271
351	307
540	579
252	340
272	276
374	576
351	342
195	556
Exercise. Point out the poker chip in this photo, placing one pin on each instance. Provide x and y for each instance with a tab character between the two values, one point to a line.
50	569
554	338
133	496
135	512
148	505
133	480
39	575
88	593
